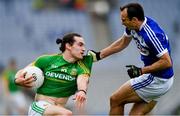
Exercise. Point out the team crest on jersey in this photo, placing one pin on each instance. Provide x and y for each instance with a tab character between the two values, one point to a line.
73	72
63	69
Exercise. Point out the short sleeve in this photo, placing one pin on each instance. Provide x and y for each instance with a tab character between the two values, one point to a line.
41	62
158	44
85	65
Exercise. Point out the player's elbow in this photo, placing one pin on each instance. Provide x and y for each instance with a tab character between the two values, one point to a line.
168	63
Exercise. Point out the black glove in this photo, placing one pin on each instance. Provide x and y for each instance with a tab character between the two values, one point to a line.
133	71
94	54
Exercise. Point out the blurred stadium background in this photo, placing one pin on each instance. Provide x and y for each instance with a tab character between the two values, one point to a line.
29	28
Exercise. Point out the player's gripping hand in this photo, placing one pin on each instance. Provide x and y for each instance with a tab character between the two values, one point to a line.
133	71
20	79
80	96
95	55
80	99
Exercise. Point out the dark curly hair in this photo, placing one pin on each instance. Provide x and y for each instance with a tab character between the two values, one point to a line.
68	38
134	10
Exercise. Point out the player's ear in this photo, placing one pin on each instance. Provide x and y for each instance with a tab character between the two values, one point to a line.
134	19
68	46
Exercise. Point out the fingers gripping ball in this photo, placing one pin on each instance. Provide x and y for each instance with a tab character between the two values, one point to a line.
37	74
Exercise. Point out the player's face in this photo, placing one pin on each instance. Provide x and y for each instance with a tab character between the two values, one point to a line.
126	21
78	48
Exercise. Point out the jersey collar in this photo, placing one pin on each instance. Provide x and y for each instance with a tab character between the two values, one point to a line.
142	25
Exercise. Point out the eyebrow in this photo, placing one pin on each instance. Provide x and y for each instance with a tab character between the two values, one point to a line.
81	43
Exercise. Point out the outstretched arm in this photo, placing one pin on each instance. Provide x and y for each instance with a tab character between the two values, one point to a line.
115	47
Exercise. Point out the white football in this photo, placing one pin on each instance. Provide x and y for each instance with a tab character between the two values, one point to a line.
37	74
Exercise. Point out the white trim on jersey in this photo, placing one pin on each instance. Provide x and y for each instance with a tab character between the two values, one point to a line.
142	25
152	36
127	34
163	52
155	36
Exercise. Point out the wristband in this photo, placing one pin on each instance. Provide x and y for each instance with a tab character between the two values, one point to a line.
98	55
82	91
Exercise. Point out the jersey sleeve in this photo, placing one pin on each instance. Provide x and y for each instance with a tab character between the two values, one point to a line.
41	62
85	65
158	43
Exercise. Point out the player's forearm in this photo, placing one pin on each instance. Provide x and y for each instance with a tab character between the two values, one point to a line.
82	83
115	47
109	51
161	64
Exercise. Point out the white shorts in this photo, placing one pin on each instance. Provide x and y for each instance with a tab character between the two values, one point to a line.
151	88
38	108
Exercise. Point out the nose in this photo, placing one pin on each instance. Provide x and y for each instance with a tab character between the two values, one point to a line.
83	48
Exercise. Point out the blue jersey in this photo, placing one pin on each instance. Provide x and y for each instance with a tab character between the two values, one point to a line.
152	43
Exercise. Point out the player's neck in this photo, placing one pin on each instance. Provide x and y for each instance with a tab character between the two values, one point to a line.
139	24
68	57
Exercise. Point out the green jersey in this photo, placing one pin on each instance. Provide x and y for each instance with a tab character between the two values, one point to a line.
9	75
60	75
